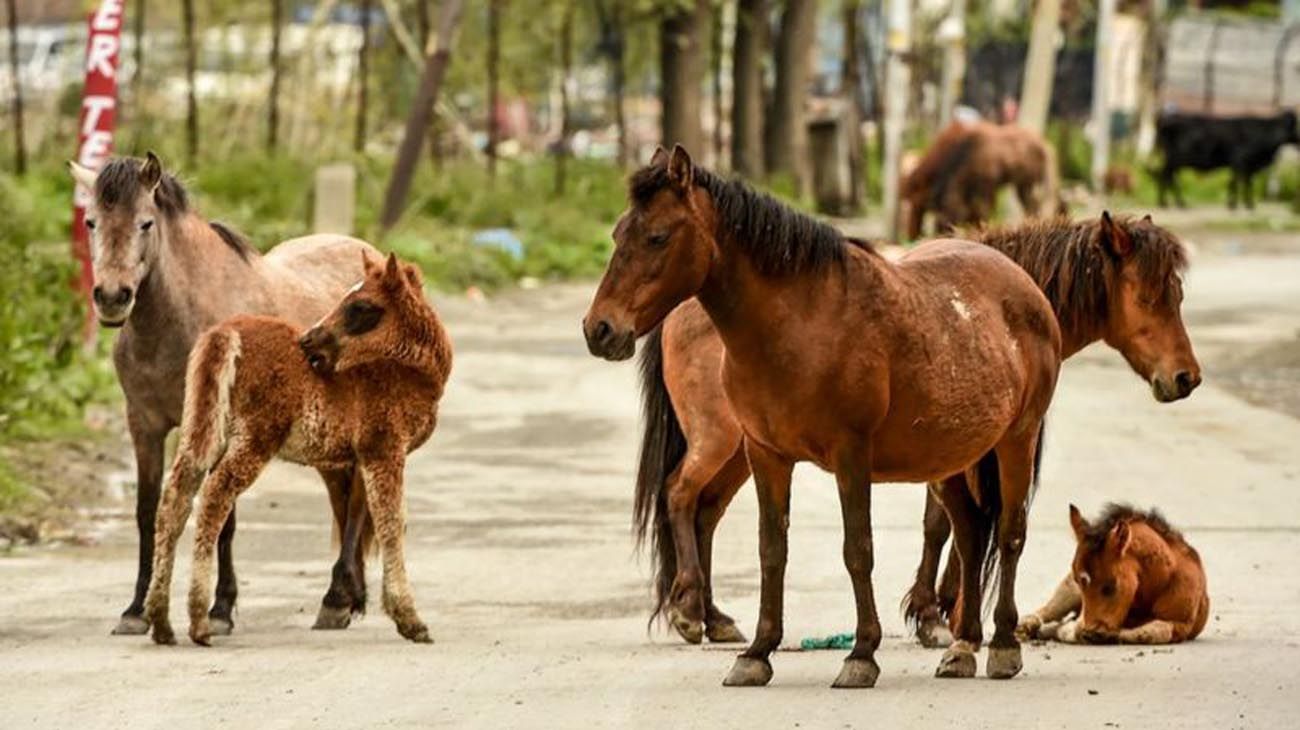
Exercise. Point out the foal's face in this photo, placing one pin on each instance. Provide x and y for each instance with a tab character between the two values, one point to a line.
123	238
663	247
1108	577
1146	320
366	324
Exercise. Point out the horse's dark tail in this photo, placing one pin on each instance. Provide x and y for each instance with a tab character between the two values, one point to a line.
990	512
953	157
663	446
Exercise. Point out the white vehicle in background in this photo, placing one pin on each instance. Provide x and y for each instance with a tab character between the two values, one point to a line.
49	57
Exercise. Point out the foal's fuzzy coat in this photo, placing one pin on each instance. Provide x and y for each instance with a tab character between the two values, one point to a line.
381	360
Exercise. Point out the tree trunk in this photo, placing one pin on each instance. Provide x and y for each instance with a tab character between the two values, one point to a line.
852	83
422	24
681	65
1040	66
494	78
417	122
897	82
954	62
273	107
20	145
566	120
363	76
137	78
747	88
191	102
610	19
715	75
787	131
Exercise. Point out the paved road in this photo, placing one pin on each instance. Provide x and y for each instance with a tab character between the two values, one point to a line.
519	553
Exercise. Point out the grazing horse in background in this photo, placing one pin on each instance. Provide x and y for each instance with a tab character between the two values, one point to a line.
960	174
164	274
1111	279
872	370
1245	145
380	361
1134	580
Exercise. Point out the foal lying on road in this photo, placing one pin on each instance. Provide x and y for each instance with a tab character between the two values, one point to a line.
381	360
1135	580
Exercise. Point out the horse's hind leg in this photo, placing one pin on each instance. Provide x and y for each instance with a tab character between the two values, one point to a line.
772	484
172	513
384	498
221	617
228	479
968	540
920	605
718	626
1016	470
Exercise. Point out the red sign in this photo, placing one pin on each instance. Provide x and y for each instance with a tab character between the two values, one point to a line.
98	113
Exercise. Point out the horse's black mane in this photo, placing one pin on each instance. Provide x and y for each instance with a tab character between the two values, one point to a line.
777	238
1067	261
118	183
1114	513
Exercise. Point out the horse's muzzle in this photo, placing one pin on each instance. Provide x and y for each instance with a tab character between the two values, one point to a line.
1181	385
321	348
113	307
605	340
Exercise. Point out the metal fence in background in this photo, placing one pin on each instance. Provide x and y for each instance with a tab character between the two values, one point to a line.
1229	66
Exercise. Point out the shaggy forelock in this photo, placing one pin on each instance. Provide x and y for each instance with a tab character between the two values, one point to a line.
118	184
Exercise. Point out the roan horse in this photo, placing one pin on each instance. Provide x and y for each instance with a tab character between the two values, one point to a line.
164	274
872	370
959	175
1134	580
1113	279
360	388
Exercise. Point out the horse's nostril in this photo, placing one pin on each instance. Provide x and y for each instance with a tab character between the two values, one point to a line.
124	295
97	294
603	331
1185	381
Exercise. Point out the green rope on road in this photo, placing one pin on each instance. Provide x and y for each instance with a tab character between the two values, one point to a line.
834	641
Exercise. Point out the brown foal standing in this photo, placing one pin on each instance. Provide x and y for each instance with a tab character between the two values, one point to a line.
872	370
163	274
361	387
1134	580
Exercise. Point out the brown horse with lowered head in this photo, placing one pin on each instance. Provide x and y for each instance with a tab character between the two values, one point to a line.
959	176
1134	580
361	389
1111	279
872	370
164	274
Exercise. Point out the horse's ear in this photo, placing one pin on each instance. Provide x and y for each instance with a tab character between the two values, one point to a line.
368	263
1119	537
83	175
414	277
1147	219
1114	238
1078	524
393	271
681	171
660	157
150	171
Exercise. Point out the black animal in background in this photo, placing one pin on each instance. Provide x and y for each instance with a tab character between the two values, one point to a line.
1246	145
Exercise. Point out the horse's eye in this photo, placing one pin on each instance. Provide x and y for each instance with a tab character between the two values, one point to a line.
1108	590
659	239
90	224
361	316
146	225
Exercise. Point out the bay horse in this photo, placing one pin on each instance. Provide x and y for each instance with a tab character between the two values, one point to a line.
163	274
872	370
1115	279
1134	580
359	388
959	176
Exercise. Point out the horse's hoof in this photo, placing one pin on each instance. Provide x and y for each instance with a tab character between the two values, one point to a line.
749	672
131	625
691	631
1029	627
201	632
1003	662
957	663
221	626
726	633
418	633
332	619
857	674
933	634
163	634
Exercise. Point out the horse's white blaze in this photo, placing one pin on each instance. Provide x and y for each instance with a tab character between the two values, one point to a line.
960	307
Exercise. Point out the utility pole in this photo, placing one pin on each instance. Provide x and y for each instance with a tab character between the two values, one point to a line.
1040	66
952	34
1101	93
898	44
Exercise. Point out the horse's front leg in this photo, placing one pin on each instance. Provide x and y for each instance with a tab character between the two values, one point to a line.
853	477
381	473
148	440
921	605
1016	470
772	485
1065	600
